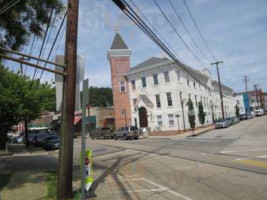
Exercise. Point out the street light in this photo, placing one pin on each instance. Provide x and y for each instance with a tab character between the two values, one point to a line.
177	116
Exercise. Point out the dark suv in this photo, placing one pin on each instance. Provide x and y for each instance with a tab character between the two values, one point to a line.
101	133
127	132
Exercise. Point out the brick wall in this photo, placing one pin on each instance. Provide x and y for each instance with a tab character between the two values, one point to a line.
119	67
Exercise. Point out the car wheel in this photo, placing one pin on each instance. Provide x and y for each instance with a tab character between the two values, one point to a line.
125	137
136	138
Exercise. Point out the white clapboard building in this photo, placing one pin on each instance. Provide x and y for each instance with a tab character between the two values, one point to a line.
158	90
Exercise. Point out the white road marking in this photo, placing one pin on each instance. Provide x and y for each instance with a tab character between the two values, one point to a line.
169	190
244	150
158	187
262	156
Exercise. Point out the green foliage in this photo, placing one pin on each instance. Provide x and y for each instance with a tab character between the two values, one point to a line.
201	113
237	112
101	97
191	114
52	189
25	18
19	101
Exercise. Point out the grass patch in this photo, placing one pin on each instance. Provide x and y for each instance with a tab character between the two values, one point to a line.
52	187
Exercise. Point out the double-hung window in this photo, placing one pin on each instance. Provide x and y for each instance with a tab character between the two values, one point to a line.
169	99
143	82
133	85
166	76
155	79
159	119
158	101
171	119
122	86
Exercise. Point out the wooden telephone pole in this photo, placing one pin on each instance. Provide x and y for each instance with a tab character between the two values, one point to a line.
220	86
64	184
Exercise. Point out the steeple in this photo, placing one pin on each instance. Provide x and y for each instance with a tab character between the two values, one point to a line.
118	42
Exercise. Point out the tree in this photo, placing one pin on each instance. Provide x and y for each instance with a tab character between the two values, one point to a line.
19	102
101	97
237	112
25	18
191	114
201	113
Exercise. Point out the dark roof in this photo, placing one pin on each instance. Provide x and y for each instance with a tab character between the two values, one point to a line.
149	62
118	43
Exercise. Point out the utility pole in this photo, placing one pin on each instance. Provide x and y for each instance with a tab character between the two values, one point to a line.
220	86
256	92
64	184
246	79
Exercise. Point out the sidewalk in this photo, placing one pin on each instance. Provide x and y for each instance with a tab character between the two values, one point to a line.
183	135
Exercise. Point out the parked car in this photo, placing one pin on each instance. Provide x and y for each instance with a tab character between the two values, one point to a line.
231	120
38	139
101	133
51	144
47	139
237	120
243	117
259	112
222	123
127	132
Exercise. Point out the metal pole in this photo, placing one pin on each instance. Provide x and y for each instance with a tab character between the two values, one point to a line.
84	103
32	65
220	86
31	57
179	131
64	184
182	104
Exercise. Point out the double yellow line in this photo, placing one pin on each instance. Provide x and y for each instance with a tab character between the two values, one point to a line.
253	163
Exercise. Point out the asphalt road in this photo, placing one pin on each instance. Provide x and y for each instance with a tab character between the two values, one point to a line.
221	164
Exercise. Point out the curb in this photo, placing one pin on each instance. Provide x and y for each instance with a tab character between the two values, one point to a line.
200	133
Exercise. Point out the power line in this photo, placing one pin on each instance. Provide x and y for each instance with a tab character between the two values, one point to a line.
44	39
197	27
30	53
154	29
179	36
185	27
53	45
143	26
58	44
9	5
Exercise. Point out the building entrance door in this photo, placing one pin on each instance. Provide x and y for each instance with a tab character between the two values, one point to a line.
143	117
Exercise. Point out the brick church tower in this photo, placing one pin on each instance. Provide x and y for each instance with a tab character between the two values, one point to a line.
119	57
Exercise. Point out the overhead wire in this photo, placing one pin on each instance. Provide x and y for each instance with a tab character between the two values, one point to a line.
177	33
155	29
53	45
30	53
43	42
187	30
8	6
143	26
198	29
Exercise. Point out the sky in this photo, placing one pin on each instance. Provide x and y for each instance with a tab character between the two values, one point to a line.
235	31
